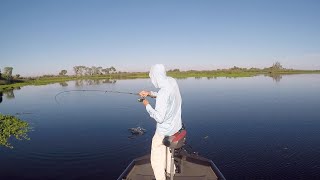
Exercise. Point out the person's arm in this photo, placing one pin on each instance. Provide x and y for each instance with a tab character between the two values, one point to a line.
160	110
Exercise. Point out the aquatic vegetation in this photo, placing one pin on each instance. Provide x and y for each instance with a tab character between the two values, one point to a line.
137	131
12	126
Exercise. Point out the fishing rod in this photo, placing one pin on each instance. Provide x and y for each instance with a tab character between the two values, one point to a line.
94	90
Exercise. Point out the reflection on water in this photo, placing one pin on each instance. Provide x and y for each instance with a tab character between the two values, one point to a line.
275	77
86	82
8	94
214	77
63	84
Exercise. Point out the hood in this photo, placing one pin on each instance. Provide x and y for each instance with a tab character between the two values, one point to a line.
158	75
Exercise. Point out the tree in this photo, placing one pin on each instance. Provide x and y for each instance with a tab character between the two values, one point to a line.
276	66
235	68
76	70
17	76
8	73
106	70
88	71
79	70
112	69
82	70
99	70
0	74
63	72
93	70
96	70
174	70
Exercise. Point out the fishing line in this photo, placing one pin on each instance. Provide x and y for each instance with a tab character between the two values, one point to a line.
92	90
137	130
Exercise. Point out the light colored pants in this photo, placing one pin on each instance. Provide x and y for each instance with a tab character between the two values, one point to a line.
158	157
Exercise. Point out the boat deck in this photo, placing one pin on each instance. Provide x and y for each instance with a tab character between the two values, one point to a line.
192	168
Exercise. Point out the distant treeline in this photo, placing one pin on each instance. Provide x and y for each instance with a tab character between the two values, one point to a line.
84	71
7	80
92	71
275	68
89	71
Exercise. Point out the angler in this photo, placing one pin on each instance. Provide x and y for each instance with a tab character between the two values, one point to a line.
167	114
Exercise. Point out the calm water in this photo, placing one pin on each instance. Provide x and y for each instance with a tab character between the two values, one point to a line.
252	128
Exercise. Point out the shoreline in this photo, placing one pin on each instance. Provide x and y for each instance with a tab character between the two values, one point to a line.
44	80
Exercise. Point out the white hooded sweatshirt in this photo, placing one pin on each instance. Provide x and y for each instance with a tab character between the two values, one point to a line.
167	112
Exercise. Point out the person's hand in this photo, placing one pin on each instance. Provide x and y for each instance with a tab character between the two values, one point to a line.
145	102
144	93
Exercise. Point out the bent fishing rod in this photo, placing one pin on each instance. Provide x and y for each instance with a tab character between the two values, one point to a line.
94	90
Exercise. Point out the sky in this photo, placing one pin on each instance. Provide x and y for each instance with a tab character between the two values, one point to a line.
44	37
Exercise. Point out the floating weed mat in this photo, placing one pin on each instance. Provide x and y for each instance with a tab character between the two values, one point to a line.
137	131
12	126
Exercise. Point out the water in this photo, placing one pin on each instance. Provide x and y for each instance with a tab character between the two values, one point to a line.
252	128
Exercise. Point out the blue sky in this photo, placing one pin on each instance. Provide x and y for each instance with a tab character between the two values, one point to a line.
44	37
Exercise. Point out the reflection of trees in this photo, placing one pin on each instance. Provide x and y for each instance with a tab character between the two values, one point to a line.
63	84
83	82
12	126
113	81
79	82
211	77
275	76
94	82
9	94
